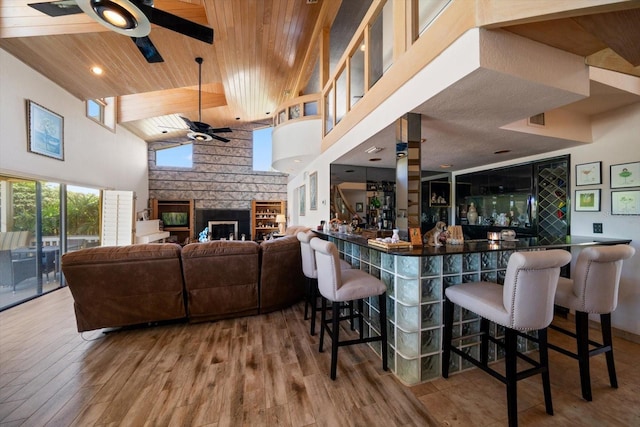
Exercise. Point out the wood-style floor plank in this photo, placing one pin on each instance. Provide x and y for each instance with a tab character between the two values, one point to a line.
262	371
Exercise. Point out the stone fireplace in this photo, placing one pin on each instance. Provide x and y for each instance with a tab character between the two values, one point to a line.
222	222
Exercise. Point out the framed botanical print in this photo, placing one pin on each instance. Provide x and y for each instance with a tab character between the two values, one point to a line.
625	202
625	175
589	173
587	200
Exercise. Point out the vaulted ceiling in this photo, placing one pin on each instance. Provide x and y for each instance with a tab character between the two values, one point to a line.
264	52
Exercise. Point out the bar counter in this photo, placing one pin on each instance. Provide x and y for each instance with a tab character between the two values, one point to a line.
416	279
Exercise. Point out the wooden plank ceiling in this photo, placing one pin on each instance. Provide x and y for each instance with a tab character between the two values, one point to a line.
263	53
258	53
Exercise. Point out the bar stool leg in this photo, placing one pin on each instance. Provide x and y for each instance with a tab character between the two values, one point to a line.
314	307
323	321
308	298
360	318
544	362
335	336
511	347
447	336
382	303
605	324
484	341
582	339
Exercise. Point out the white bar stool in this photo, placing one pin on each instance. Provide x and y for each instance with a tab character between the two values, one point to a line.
311	273
339	286
523	303
594	290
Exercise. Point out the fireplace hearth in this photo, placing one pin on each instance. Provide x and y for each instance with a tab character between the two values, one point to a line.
225	221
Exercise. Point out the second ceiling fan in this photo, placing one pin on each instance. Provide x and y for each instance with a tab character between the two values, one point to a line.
202	131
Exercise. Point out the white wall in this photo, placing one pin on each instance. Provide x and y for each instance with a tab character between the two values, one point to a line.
93	155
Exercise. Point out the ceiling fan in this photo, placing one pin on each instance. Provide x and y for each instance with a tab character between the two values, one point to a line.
132	18
202	131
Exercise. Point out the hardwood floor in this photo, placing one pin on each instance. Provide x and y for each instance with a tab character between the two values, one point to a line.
261	370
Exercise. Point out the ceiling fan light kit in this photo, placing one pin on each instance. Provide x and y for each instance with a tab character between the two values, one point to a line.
199	136
120	16
132	18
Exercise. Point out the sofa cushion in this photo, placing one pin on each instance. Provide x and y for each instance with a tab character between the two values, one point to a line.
221	279
125	285
281	278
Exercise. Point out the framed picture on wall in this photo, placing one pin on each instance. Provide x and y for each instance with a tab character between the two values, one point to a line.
302	196
359	207
625	175
589	173
313	191
625	202
587	200
45	131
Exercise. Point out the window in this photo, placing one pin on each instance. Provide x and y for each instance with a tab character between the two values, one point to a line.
262	154
180	156
102	111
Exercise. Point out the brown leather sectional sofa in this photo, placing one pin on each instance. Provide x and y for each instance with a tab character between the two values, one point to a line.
148	283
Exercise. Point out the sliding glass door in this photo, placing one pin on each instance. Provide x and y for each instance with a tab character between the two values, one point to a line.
39	221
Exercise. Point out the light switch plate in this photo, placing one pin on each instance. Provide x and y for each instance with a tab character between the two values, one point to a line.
597	227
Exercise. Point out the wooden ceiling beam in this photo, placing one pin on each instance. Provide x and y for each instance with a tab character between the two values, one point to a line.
160	103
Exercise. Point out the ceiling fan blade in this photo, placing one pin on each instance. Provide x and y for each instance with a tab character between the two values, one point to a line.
189	123
176	23
147	49
219	138
220	130
57	8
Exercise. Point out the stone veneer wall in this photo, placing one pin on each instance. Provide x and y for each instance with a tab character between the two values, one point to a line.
222	176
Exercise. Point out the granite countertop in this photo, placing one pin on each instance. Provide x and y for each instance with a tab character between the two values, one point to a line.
483	245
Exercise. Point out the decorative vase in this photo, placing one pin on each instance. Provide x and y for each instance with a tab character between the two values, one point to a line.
472	214
395	238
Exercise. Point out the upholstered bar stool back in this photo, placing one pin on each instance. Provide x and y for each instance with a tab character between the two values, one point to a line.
310	271
593	289
523	303
338	286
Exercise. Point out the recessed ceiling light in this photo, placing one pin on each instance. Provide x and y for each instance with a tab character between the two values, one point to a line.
445	165
501	151
375	159
97	70
296	161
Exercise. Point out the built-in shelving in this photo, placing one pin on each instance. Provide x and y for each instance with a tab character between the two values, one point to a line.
263	217
182	232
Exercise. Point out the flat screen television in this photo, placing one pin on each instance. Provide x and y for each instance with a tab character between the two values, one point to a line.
175	219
